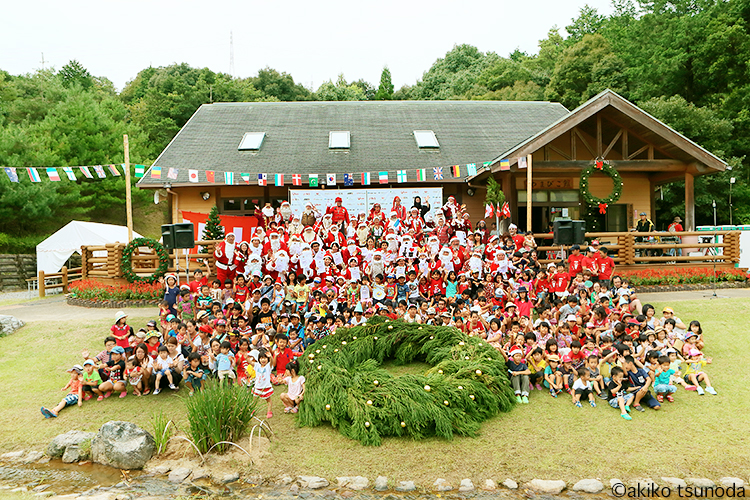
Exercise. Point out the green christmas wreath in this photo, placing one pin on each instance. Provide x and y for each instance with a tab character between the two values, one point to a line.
606	168
467	384
127	260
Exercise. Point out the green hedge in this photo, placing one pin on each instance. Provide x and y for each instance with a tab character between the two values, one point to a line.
20	244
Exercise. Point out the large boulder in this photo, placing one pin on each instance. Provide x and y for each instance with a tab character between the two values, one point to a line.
60	443
123	445
9	324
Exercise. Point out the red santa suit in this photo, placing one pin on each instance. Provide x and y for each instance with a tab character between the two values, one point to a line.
334	235
278	264
399	208
240	258
338	213
352	272
274	244
415	223
375	212
224	255
451	208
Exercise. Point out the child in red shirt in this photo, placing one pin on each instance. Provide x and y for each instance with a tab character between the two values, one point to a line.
241	291
121	331
280	356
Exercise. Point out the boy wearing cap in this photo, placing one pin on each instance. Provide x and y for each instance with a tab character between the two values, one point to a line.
75	393
116	369
552	377
519	374
91	379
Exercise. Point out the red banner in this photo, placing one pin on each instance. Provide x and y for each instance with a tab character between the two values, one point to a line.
242	227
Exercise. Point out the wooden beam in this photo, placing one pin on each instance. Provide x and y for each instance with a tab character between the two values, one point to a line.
689	202
599	136
624	143
612	144
620	165
560	152
546	152
573	146
650	151
644	148
666	177
652	198
613	121
584	141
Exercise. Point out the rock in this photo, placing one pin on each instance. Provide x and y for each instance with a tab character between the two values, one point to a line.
12	456
65	497
489	485
466	485
22	489
406	486
44	494
200	474
294	489
159	469
41	487
123	445
56	447
381	483
510	484
613	482
589	486
9	324
231	477
73	454
32	456
732	481
348	494
674	482
179	474
353	483
285	480
550	487
645	484
700	482
441	485
312	482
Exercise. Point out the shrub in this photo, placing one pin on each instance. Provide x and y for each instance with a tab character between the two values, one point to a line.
219	413
93	290
686	275
20	244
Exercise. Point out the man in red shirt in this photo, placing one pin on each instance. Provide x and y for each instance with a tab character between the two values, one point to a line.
199	280
574	260
517	238
338	212
590	262
606	267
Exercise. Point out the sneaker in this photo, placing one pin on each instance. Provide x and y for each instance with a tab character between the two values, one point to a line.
191	393
627	408
578	404
525	400
156	391
287	409
639	408
691	388
670	398
46	412
553	394
269	414
518	398
295	409
711	390
593	405
538	387
626	416
123	394
602	396
700	390
660	398
108	394
172	386
87	397
100	398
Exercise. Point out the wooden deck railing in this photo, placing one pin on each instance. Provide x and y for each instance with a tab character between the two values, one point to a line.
57	280
631	248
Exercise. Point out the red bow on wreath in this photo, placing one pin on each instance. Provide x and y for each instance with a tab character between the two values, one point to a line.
599	165
602	208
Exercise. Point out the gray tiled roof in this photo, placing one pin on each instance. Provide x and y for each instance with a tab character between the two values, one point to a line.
381	137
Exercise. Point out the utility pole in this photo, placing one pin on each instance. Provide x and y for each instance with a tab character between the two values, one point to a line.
528	192
128	202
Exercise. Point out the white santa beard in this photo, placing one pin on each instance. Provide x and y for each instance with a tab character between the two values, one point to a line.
267	211
475	264
306	259
282	264
295	248
308	236
392	245
229	251
377	267
275	243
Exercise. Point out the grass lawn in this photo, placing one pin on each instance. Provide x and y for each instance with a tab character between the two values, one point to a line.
695	436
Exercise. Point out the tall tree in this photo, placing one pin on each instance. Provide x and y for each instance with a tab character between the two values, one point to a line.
74	73
385	89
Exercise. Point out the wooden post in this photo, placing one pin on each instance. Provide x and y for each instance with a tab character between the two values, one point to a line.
630	254
689	202
84	263
128	202
65	279
110	260
528	192
40	281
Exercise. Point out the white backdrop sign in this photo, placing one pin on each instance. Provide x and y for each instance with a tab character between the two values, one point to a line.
361	200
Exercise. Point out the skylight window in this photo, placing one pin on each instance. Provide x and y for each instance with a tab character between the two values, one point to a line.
251	141
426	139
338	139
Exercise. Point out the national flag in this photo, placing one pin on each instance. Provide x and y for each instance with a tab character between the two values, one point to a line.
488	210
278	179
471	169
486	164
192	175
401	175
210	176
505	164
522	162
33	175
155	172
229	178
437	173
52	174
456	171
245	177
297	179
505	212
421	175
172	173
383	177
331	179
312	180
365	178
12	174
99	171
262	179
69	172
87	173
114	170
348	180
139	171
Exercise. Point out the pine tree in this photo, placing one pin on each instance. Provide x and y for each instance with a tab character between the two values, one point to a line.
213	230
385	90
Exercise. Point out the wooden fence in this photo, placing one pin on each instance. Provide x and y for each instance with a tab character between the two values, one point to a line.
57	280
685	249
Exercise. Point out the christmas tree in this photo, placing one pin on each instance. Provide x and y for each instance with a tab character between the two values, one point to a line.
213	230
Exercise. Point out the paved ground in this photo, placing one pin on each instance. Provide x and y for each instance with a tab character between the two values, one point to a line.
56	309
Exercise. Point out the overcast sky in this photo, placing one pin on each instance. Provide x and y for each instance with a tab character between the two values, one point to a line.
313	41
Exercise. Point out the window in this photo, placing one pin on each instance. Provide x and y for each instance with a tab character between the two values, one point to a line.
239	206
251	141
338	139
426	139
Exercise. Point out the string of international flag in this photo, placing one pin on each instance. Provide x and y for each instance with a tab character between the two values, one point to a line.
88	172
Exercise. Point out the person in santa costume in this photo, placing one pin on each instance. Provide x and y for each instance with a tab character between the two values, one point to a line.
285	211
416	223
375	211
334	235
451	208
459	253
461	227
377	228
308	235
395	224
339	213
377	266
278	264
307	261
309	215
399	208
241	254
443	231
352	272
224	254
274	244
295	226
256	247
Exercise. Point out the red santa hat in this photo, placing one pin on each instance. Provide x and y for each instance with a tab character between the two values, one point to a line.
328	255
454	240
338	199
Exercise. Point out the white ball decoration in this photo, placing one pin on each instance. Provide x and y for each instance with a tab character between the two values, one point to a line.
367	424
460	387
375	382
446	403
335	350
440	372
461	343
328	407
390	327
374	338
369	402
427	388
419	328
432	337
311	356
343	342
325	346
466	357
354	338
320	367
403	424
471	396
478	372
311	361
317	351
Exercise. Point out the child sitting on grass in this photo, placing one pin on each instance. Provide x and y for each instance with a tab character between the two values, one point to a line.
552	377
75	393
662	380
162	367
295	388
263	387
194	374
694	373
617	390
134	375
519	374
91	379
116	370
582	388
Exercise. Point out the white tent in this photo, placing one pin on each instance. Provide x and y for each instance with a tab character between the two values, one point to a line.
52	253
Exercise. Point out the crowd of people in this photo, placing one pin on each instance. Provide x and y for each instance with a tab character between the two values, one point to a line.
572	327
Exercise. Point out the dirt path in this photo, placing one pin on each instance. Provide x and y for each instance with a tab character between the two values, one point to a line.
694	295
56	309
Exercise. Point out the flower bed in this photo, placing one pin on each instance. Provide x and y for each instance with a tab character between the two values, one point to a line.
682	276
89	293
